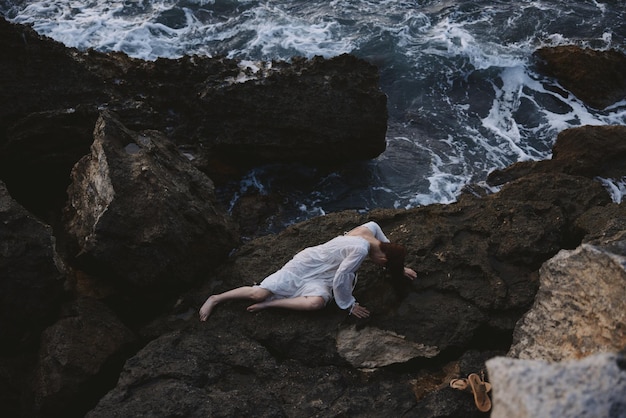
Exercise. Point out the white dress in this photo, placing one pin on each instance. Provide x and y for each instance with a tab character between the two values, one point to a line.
327	270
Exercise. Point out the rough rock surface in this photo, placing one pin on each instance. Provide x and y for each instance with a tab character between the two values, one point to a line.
579	152
321	110
477	263
565	358
222	372
31	286
315	111
580	307
373	348
141	216
598	78
80	355
477	260
592	387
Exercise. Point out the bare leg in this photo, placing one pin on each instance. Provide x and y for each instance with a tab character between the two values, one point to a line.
301	303
245	292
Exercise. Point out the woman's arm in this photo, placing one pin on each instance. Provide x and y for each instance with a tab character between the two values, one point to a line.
343	282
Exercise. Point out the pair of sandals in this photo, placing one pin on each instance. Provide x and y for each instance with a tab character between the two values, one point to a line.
475	384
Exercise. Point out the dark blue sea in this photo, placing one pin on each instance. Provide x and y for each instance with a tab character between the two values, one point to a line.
463	97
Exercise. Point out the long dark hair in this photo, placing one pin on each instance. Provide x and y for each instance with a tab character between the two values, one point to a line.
395	254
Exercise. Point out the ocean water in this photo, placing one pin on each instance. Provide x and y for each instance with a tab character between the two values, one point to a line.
462	94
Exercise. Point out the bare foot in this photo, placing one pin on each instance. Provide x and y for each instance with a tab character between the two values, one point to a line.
207	308
257	307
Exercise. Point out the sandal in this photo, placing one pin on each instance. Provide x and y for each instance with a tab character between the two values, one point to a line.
479	388
463	384
460	384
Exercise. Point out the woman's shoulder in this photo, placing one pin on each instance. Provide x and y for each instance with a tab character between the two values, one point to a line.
358	243
368	228
371	225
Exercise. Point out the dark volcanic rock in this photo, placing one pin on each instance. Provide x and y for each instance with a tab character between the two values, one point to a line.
140	215
598	78
603	221
322	111
476	262
316	111
220	372
589	151
31	286
36	160
79	359
39	74
142	227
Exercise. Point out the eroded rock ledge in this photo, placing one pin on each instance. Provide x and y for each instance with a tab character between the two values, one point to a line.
598	78
226	115
99	313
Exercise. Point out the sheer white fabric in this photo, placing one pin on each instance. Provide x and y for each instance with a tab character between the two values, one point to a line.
326	270
376	230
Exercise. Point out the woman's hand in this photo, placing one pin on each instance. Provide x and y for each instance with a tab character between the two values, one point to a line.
409	273
359	311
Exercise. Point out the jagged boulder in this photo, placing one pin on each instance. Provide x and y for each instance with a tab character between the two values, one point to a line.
141	216
211	371
580	308
564	360
226	114
596	77
591	387
31	286
588	151
476	262
79	359
318	111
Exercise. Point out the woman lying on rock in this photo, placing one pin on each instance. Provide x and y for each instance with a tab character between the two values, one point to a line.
316	274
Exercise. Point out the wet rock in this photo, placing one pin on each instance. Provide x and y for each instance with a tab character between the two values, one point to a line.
583	151
141	216
314	111
578	151
598	78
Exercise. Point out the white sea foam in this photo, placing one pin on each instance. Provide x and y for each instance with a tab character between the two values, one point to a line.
135	28
463	98
615	187
109	25
278	33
